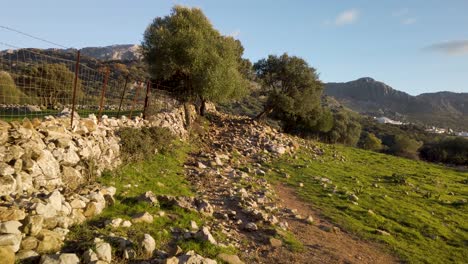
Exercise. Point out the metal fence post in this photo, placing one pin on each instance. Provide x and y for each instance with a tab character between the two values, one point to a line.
75	84
122	97
145	108
134	99
103	92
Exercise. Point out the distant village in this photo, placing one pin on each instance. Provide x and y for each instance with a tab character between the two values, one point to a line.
432	129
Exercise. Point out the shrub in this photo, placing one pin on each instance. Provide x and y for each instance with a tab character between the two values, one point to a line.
370	142
142	143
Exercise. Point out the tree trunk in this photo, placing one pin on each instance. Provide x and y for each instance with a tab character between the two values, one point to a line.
203	107
264	113
188	117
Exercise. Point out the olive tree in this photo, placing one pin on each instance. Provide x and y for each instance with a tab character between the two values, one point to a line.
293	89
184	46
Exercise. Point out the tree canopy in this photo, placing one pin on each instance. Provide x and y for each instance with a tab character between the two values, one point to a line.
293	88
9	93
185	47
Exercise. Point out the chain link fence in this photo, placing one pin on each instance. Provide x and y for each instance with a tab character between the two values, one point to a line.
35	84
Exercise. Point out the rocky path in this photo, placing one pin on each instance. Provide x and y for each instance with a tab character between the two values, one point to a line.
255	217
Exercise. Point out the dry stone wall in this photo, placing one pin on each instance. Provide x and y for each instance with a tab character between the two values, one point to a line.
41	161
48	153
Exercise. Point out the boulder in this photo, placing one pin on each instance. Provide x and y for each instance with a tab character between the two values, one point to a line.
148	245
71	177
6	170
64	258
191	258
104	251
49	166
11	214
7	255
89	256
49	241
55	199
7	184
150	198
13	241
46	210
205	235
29	243
142	218
230	259
27	256
33	224
10	227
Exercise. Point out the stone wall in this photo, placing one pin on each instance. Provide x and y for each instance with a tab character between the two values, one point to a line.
41	163
46	154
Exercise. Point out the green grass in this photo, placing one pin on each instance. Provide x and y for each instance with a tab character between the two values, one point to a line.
162	174
416	202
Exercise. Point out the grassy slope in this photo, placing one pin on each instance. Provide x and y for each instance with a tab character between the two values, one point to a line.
163	174
416	202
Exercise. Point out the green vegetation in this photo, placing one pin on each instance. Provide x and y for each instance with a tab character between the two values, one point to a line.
449	150
202	64
422	206
141	143
369	141
9	93
51	84
293	90
163	174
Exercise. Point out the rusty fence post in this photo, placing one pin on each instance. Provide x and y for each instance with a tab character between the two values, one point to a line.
135	98
75	84
123	95
145	108
103	92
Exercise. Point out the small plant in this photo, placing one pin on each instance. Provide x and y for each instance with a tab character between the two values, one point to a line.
141	144
358	190
399	179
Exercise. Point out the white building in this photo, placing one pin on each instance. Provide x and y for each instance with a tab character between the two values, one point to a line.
386	120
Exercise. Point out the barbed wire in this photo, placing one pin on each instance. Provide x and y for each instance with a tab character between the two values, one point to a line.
34	37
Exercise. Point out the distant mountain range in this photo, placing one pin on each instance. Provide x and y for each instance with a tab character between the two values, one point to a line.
123	52
371	97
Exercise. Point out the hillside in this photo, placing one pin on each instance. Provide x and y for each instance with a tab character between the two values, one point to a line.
368	96
123	52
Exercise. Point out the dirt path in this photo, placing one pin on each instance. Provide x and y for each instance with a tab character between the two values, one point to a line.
324	246
250	212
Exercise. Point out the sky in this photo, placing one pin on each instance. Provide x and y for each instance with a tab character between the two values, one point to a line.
416	46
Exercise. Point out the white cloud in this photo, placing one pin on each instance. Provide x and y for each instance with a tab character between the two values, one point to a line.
454	47
235	33
409	21
347	17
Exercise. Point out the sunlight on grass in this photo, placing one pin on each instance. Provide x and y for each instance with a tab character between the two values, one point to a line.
420	204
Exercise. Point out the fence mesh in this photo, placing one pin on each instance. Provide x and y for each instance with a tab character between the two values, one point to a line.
36	84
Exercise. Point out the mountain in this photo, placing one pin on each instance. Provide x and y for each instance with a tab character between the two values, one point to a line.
371	97
123	52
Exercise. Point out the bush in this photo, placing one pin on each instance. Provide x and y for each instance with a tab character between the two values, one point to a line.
405	147
450	150
9	93
142	143
370	142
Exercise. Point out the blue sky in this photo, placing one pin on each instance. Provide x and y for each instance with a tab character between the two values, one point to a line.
415	46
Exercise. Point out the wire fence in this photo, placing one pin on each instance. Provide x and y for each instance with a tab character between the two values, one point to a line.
35	84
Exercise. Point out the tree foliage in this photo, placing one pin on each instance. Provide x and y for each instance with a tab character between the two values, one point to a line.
450	150
9	93
51	84
293	89
346	129
370	142
405	147
185	48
